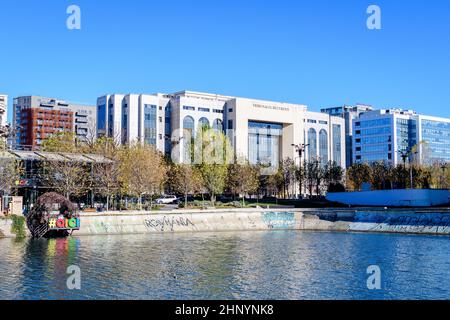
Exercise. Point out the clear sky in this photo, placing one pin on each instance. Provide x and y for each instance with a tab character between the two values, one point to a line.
319	53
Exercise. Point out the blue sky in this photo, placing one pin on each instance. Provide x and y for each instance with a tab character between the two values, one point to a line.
317	53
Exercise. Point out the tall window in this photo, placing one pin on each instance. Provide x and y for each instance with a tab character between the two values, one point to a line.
312	141
264	143
101	118
337	147
218	125
188	133
150	124
203	122
323	146
188	125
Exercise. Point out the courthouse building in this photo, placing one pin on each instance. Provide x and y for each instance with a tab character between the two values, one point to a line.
261	131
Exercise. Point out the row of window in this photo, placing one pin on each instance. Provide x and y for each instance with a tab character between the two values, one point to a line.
315	121
201	109
189	124
373	123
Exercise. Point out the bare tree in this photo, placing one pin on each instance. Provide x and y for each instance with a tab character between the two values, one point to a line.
67	177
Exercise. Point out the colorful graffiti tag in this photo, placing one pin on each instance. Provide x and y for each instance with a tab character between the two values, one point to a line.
279	220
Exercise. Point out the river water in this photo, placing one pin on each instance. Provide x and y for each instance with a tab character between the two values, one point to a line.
238	265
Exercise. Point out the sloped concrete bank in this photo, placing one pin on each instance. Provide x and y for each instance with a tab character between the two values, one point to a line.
395	221
432	221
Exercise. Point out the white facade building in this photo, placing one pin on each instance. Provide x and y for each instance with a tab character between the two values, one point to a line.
261	131
3	109
134	118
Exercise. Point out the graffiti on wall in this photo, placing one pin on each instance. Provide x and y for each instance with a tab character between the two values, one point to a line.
279	220
167	223
420	223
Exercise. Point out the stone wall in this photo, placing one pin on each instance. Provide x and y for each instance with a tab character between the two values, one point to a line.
5	228
399	221
371	220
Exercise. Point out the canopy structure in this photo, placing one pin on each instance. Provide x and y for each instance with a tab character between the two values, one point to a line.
53	156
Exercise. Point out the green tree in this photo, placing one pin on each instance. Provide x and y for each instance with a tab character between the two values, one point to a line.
213	153
142	171
288	170
185	179
243	179
313	176
332	176
357	174
381	175
10	171
62	142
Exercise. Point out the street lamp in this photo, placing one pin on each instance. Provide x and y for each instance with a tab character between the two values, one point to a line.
443	178
407	154
300	148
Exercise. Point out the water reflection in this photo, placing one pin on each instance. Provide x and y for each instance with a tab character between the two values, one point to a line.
252	265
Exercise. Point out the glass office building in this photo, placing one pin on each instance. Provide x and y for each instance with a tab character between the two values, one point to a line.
384	135
436	137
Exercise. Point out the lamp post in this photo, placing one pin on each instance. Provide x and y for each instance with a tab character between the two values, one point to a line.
407	154
300	148
410	168
443	178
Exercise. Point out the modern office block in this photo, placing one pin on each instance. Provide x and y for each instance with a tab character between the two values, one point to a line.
349	113
38	118
383	135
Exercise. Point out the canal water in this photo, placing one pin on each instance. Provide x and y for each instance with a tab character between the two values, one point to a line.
238	265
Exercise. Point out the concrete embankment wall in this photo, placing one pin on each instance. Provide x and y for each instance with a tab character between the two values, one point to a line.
5	228
399	221
371	220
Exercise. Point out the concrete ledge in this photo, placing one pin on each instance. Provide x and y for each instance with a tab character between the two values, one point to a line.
411	221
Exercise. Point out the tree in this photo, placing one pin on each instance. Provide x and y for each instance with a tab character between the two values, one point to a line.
213	152
184	179
288	169
62	142
105	180
381	175
243	179
332	176
105	175
313	175
10	172
142	171
357	174
67	176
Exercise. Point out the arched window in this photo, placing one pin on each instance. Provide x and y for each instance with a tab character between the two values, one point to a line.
188	124
218	125
203	122
188	133
312	141
323	146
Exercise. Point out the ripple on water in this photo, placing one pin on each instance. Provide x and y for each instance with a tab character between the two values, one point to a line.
235	265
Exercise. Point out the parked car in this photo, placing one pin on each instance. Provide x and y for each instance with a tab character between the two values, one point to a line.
168	199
